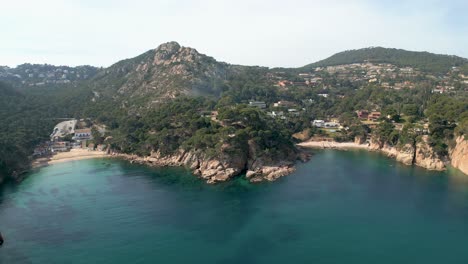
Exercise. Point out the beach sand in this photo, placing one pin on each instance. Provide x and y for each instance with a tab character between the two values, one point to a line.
73	154
332	145
76	154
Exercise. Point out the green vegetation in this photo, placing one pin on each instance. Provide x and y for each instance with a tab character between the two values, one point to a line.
27	118
197	103
424	61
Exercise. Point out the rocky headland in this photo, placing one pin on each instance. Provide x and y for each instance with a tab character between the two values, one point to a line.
227	165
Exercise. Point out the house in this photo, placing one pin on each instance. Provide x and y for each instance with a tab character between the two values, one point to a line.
283	83
364	114
331	124
373	116
318	123
60	146
83	134
258	104
276	113
335	120
284	104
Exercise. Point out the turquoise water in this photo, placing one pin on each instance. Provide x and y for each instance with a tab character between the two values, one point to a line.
341	207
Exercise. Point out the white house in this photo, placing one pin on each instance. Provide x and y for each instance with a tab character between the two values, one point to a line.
318	123
82	134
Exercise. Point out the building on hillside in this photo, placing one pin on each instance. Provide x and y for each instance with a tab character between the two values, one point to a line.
335	120
258	104
331	125
284	104
318	123
83	134
364	114
60	146
373	116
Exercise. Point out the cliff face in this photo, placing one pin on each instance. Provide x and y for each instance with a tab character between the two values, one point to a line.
459	155
419	154
225	166
426	157
404	155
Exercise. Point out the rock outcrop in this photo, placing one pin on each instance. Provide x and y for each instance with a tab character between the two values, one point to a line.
160	74
459	155
225	166
426	156
404	155
420	154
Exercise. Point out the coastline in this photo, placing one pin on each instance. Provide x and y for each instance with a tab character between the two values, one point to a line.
210	169
72	155
333	145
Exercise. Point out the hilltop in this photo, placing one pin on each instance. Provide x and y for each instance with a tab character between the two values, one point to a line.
424	61
168	71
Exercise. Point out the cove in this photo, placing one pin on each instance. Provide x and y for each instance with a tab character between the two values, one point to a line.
341	207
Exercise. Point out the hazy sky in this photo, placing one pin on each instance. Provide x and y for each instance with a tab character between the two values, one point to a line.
251	32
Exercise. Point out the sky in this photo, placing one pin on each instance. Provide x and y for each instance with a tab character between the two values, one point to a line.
287	33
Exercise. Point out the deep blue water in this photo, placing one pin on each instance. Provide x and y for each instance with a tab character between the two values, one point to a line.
341	207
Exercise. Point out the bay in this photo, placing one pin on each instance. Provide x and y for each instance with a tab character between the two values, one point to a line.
341	207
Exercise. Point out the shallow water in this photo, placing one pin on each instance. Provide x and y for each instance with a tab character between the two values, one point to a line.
341	207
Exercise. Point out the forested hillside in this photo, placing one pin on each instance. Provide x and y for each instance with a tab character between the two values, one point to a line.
26	119
173	98
425	61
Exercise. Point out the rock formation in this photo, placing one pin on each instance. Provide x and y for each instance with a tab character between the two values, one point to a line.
420	154
459	154
426	157
228	164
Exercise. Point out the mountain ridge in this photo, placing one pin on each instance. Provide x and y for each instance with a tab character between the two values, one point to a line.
423	60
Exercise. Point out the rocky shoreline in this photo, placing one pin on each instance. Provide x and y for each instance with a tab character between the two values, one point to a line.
419	154
218	169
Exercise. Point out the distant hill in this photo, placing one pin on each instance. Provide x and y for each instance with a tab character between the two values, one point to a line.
44	75
425	61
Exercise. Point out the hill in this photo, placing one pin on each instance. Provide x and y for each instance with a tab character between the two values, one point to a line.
45	75
166	72
424	61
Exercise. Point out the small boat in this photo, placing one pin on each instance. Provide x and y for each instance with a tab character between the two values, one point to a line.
1	239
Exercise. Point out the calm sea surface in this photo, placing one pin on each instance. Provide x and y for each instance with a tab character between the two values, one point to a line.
341	207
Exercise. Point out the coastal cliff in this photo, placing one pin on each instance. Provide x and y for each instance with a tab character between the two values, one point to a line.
405	154
228	164
426	157
419	153
459	155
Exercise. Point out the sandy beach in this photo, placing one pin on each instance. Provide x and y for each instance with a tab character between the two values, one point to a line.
76	154
332	145
73	154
